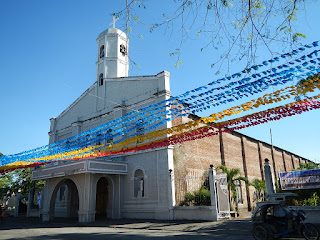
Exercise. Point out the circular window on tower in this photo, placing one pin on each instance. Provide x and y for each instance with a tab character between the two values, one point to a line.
123	49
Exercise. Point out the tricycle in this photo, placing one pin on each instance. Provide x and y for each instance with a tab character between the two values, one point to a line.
274	219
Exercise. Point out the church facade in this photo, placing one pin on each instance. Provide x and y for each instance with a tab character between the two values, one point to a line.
134	185
141	184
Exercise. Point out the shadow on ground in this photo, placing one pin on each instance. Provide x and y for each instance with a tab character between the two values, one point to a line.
239	225
126	229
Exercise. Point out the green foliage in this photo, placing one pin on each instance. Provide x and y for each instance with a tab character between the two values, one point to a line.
308	166
6	183
261	189
202	197
197	198
303	86
314	200
177	63
233	25
19	179
24	182
188	199
306	197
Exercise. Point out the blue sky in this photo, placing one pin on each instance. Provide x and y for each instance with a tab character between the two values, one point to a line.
48	54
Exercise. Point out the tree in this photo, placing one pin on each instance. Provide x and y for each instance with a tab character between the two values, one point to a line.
233	176
24	182
308	166
239	27
19	179
303	86
260	187
6	183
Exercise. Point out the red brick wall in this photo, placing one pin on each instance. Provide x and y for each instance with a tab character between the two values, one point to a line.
252	164
248	155
296	161
288	161
277	153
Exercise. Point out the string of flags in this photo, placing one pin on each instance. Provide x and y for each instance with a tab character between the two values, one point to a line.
273	114
250	82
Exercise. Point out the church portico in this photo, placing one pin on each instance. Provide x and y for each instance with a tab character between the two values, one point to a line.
84	189
64	203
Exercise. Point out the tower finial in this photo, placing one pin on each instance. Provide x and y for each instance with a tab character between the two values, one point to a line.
114	21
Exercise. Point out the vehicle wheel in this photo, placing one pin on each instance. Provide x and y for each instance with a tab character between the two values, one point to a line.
260	232
310	232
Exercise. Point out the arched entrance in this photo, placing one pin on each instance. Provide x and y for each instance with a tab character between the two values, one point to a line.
64	200
102	198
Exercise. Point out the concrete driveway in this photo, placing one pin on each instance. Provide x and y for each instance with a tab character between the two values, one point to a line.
34	229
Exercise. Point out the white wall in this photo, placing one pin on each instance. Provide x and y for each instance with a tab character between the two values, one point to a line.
135	92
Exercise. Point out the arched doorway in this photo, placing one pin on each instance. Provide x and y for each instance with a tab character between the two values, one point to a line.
102	198
64	200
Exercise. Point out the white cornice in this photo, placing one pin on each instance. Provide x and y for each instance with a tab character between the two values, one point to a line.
77	100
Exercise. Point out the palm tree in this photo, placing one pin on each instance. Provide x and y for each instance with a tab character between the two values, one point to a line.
233	176
260	187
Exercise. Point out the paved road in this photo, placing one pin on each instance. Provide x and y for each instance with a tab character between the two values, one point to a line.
34	229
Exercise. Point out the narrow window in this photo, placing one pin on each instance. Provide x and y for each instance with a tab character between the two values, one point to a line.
102	51
139	184
101	79
98	142
87	140
123	50
140	131
109	136
99	139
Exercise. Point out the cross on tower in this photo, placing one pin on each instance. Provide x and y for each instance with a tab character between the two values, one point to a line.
114	21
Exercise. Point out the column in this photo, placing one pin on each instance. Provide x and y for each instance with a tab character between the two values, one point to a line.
30	201
245	171
292	161
16	204
87	199
284	161
45	202
223	162
260	160
76	128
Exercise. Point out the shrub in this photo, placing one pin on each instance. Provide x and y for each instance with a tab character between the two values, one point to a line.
314	200
306	197
202	197
197	198
188	199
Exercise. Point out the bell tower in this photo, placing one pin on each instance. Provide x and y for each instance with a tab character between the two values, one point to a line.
112	54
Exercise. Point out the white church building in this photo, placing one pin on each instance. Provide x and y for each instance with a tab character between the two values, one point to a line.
133	185
149	184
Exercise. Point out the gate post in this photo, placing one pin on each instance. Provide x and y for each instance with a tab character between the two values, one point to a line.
213	197
171	194
17	204
30	201
268	177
